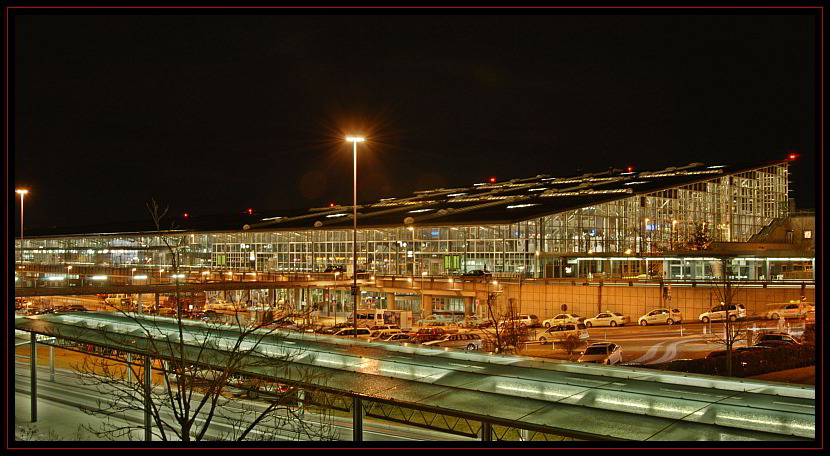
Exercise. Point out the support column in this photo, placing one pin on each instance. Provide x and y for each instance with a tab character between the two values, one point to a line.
390	301
51	364
33	373
468	306
273	297
157	301
357	420
297	296
148	367
426	305
486	432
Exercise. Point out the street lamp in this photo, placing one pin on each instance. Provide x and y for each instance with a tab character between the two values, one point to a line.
355	294
21	192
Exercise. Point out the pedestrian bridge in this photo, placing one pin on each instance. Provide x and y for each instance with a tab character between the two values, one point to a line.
483	391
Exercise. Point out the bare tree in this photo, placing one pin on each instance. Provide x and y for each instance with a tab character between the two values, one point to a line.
505	333
202	370
725	289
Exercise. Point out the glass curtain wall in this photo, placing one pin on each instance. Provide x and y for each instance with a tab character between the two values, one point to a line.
730	208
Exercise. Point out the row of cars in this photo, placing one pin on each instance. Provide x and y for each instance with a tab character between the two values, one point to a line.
431	336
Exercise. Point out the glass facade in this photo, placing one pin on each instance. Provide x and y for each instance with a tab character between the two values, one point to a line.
731	208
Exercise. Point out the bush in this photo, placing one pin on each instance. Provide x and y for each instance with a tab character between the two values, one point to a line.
747	364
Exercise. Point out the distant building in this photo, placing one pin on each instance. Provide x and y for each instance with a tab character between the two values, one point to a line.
665	223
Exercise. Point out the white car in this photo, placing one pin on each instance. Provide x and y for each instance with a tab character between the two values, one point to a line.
395	337
558	333
790	310
382	334
661	316
601	353
718	313
466	341
608	319
562	319
528	320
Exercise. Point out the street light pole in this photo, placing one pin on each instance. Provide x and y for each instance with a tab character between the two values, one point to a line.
355	293
21	192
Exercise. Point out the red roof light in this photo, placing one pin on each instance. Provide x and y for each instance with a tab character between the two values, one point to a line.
630	168
492	180
793	156
250	211
185	215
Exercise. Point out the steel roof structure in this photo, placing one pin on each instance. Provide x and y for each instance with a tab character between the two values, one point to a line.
481	203
578	400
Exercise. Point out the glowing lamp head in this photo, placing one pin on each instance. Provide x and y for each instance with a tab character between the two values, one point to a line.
354	139
21	191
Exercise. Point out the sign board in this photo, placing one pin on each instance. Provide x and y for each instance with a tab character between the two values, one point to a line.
355	290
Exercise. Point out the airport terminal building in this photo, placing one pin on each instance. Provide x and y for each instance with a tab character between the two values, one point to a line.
615	223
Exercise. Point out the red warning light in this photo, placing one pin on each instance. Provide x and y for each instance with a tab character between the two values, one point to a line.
793	156
492	180
630	168
250	211
185	215
331	204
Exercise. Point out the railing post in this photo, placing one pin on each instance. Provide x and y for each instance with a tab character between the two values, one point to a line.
148	388
51	363
357	420
486	432
33	379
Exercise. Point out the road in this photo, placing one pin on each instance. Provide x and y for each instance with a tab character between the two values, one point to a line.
69	395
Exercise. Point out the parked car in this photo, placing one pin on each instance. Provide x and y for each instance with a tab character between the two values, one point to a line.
466	341
362	333
661	316
77	308
608	319
396	337
718	313
528	320
427	334
475	322
563	318
339	269
776	340
434	318
476	273
333	329
601	353
381	333
447	327
381	327
558	333
795	309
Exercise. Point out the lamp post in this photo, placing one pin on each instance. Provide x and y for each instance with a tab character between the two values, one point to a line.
21	192
355	293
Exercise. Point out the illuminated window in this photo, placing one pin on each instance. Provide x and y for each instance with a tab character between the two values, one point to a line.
808	234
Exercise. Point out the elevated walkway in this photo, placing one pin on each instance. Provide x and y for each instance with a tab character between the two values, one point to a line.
581	401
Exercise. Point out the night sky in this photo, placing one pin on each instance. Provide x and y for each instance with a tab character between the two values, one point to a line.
218	113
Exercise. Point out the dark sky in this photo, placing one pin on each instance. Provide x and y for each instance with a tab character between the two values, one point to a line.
214	114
